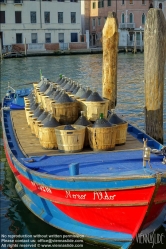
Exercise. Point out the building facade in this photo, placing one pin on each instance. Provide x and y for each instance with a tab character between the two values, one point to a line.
160	4
71	24
131	16
42	24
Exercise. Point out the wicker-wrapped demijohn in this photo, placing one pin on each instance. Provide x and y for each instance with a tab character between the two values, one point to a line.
93	106
102	135
46	132
82	120
70	138
121	132
65	109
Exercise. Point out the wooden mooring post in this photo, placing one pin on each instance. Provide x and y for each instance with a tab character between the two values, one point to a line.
154	62
110	51
1	56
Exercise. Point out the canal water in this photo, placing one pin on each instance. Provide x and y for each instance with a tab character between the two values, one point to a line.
15	218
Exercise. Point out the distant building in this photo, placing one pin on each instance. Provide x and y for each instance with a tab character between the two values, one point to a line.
131	16
161	4
131	19
45	24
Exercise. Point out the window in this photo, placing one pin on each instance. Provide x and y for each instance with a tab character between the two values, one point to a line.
108	2
74	37
73	17
18	1
74	1
61	37
100	3
131	18
137	36
60	17
47	37
99	21
123	17
17	16
18	38
33	16
2	16
34	37
150	6
123	2
93	22
131	37
143	1
160	6
131	1
47	17
94	5
143	18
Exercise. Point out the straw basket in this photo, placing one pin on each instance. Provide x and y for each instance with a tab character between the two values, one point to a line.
31	124
86	141
28	113
43	101
70	140
65	113
36	88
102	138
47	137
35	85
93	109
121	133
48	104
36	127
26	101
38	96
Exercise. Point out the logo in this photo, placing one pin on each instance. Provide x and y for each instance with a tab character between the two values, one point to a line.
150	238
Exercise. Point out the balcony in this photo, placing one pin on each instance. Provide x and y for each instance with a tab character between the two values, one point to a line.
126	25
3	1
16	2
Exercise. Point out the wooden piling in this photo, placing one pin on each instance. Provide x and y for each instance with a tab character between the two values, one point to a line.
154	62
110	51
1	56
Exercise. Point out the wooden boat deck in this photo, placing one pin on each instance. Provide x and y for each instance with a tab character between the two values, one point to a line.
30	145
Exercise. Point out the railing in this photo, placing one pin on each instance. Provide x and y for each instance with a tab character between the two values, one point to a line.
11	48
36	46
127	25
6	49
132	43
63	46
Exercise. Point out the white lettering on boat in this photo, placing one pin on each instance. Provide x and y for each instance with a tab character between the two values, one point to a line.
74	196
103	196
42	188
96	196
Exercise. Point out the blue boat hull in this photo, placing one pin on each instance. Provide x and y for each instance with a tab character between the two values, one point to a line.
98	205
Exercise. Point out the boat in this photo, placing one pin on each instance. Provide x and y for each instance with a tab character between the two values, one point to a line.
12	55
106	197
